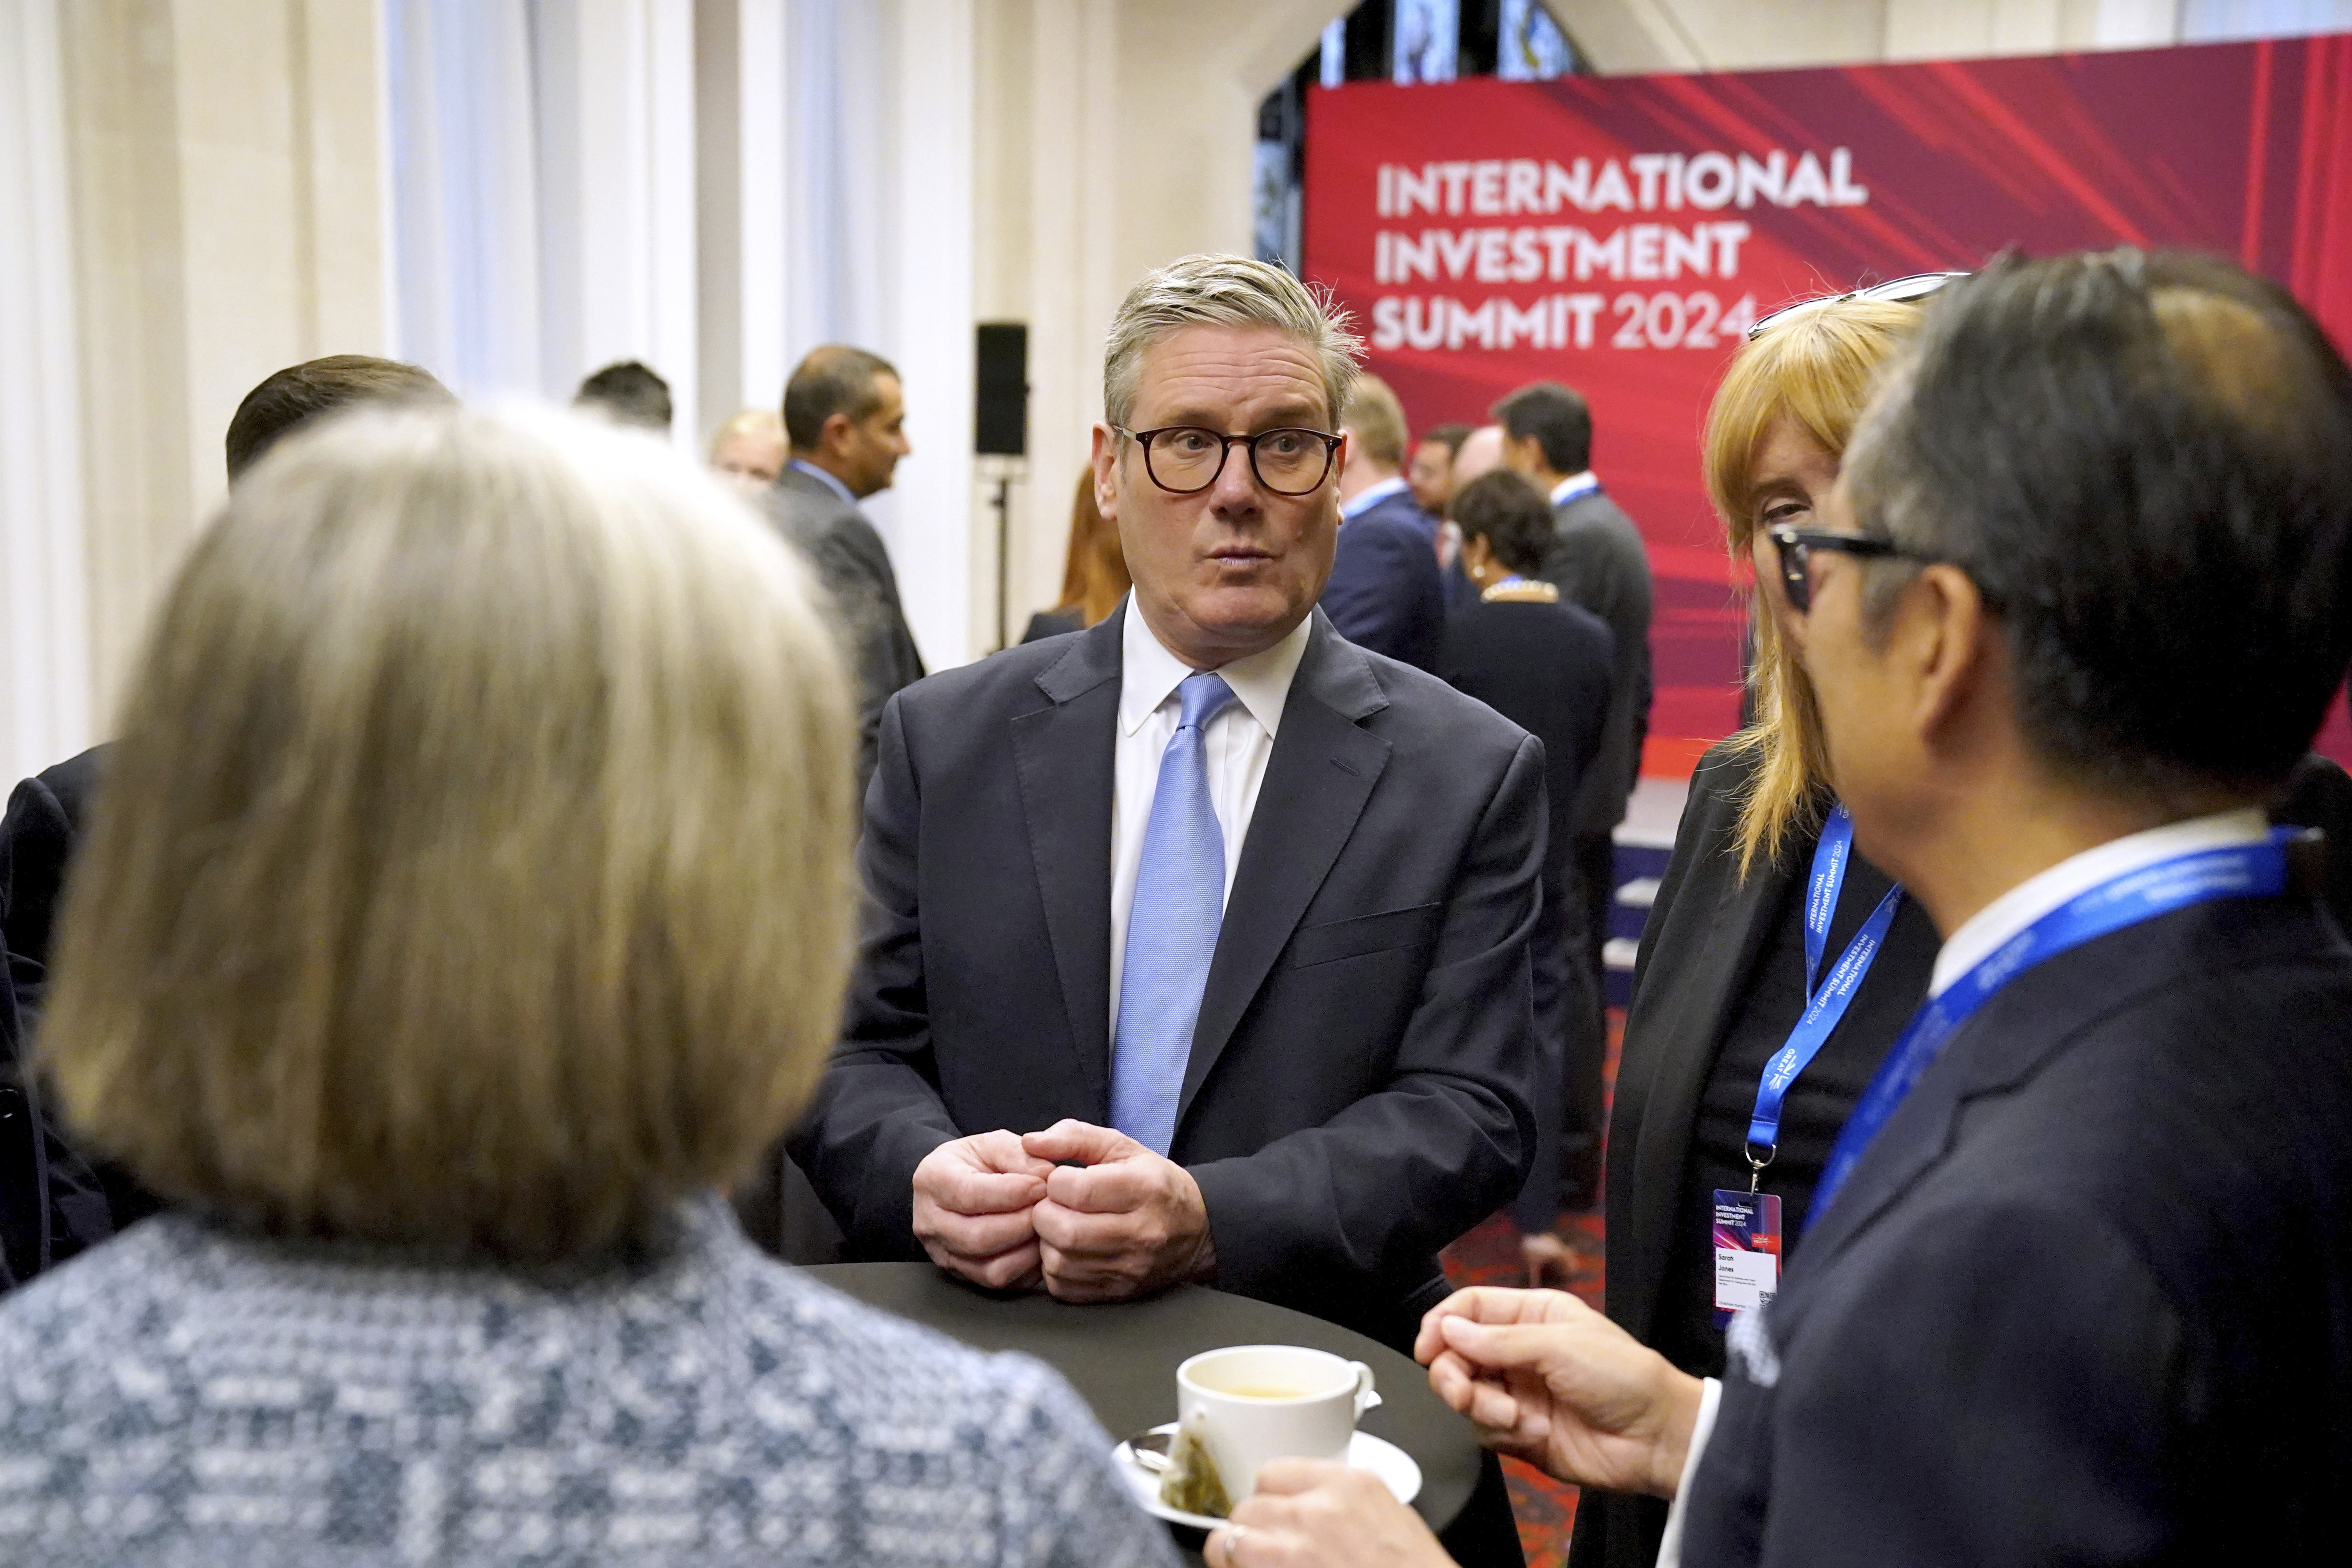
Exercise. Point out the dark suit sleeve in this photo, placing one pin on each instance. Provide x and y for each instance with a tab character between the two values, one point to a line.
36	839
1991	1390
1380	1187
878	1110
870	628
1384	592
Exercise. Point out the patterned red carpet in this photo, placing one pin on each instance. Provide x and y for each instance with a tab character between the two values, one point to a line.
1490	1255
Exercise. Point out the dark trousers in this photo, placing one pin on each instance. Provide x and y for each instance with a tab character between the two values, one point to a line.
1588	1037
1486	1534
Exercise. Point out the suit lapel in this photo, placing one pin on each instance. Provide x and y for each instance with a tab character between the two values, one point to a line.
1742	917
1322	770
2032	1019
1065	761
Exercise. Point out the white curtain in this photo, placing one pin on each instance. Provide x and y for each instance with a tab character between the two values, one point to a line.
546	218
543	216
464	191
45	669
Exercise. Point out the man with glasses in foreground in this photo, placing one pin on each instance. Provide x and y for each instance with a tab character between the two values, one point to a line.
1198	940
2072	1287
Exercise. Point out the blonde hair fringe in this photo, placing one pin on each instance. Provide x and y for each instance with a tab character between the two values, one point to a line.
1817	369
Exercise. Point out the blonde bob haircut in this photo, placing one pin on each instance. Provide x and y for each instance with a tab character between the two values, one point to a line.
472	872
1817	369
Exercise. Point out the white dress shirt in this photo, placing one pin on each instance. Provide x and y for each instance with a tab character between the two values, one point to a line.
1984	932
1980	936
1582	483
1371	497
1237	742
827	480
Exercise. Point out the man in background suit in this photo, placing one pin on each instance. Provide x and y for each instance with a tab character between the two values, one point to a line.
2072	1289
47	816
1384	593
1597	561
846	416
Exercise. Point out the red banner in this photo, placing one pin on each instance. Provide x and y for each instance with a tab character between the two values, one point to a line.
1619	234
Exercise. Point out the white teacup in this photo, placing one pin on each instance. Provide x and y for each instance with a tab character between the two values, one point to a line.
1270	1402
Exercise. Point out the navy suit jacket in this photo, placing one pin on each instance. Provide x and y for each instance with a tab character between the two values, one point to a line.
54	1200
1360	1081
2086	1297
1385	593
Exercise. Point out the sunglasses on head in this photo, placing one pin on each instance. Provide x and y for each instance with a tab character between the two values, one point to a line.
1898	291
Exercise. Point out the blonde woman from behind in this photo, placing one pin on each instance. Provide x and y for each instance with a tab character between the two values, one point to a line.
469	905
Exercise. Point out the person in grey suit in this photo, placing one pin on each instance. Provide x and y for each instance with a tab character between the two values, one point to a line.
1597	562
846	416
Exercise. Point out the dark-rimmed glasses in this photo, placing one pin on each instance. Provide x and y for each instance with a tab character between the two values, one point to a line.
1897	292
1794	547
1184	460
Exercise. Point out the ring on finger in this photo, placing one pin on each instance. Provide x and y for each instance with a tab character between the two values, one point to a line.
1234	1533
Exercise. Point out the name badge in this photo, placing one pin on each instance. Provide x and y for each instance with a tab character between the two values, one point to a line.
1747	1252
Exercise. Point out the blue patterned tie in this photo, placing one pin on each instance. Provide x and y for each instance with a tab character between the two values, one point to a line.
1171	932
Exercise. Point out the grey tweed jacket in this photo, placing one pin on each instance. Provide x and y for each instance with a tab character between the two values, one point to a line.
186	1396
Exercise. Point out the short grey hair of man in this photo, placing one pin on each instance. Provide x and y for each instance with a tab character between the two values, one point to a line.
1225	291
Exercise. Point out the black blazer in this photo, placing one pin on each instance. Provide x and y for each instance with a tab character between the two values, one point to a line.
1598	560
1385	593
54	1200
1359	1088
2085	1299
855	568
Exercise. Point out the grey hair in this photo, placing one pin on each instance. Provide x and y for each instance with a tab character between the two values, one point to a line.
1225	291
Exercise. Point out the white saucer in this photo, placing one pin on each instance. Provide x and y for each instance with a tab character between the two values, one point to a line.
1365	1452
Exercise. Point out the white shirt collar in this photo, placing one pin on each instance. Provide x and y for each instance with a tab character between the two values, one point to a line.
1575	485
1984	932
834	485
1149	674
1373	496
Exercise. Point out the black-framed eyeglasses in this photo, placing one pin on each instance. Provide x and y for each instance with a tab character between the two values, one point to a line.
1794	547
1184	460
1896	291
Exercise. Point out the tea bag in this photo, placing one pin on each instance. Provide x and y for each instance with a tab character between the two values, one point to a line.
1190	1482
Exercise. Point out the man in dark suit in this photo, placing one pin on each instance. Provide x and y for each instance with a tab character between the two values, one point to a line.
2072	1289
1174	974
1385	593
39	1173
1599	563
845	417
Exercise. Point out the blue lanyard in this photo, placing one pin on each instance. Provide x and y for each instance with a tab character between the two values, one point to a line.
1825	1000
2234	871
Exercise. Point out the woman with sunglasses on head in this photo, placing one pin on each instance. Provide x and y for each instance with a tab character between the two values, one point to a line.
1777	967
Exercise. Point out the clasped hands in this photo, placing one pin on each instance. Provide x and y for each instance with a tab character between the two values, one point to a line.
1085	1211
1543	1378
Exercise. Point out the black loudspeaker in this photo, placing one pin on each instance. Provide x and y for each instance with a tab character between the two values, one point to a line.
1001	411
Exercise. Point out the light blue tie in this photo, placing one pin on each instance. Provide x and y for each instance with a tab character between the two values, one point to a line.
1171	932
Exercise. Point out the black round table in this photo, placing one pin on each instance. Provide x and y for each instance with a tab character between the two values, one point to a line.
1122	1359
